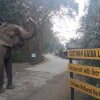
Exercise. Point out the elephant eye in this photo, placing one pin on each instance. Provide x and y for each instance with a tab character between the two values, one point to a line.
16	30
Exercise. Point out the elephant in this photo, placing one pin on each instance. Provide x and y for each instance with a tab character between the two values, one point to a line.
11	35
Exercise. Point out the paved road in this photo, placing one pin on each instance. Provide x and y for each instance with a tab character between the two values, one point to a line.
55	65
39	82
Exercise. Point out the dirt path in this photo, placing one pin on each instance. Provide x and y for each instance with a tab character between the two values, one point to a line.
46	81
54	90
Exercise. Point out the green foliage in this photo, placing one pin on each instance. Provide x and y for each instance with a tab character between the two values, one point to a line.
90	30
91	27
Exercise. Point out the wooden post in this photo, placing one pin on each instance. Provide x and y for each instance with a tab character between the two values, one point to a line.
71	76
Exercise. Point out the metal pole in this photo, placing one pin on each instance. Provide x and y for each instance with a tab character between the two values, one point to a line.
71	76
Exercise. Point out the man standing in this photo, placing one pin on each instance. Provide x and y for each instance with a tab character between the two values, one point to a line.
10	36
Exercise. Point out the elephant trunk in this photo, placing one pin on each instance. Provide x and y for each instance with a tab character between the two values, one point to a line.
26	35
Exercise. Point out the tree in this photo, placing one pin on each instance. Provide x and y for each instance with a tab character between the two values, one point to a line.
41	11
90	30
90	26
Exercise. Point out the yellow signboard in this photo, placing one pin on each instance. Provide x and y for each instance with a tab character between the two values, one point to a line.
89	71
85	88
84	53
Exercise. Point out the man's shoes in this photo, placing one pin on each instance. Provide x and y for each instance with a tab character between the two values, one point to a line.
2	90
10	86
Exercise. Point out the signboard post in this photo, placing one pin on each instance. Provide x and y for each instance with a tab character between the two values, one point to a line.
71	76
89	71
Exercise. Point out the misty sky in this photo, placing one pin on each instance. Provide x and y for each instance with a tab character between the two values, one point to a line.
66	27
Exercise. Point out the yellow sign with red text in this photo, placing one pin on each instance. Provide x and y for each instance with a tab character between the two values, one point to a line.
84	54
85	88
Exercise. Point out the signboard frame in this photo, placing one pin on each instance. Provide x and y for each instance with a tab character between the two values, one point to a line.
90	71
93	54
83	54
85	88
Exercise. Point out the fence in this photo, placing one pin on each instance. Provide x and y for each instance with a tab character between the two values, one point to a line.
89	71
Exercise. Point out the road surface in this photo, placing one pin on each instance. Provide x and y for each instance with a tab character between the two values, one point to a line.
45	81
